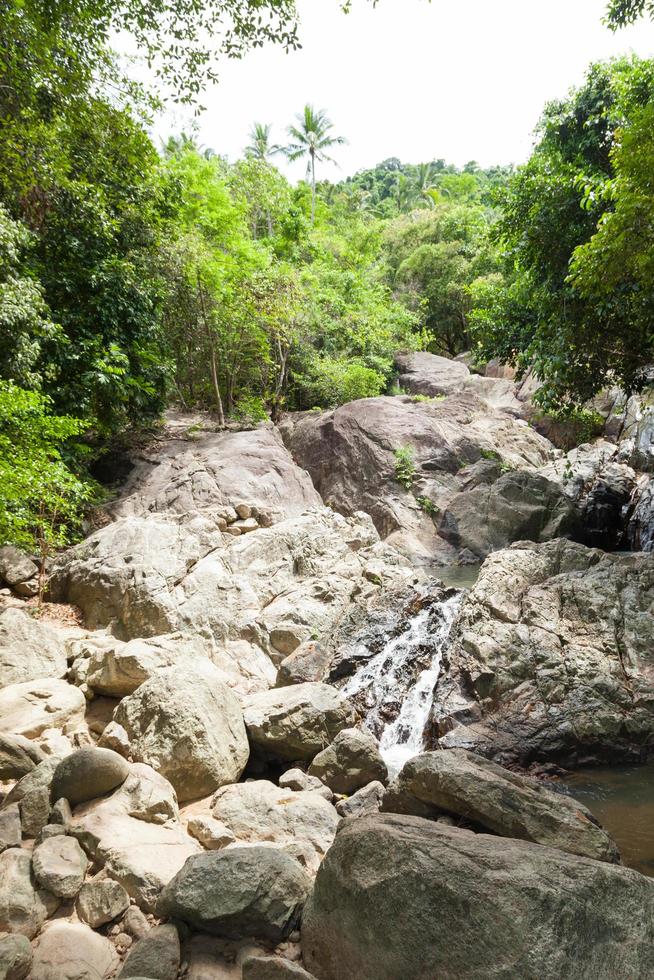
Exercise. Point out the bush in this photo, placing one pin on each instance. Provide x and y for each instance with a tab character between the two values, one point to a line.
405	466
334	382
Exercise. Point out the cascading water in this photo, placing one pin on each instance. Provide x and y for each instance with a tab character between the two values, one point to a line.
395	686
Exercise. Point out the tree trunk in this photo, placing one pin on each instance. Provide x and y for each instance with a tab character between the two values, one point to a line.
313	187
212	359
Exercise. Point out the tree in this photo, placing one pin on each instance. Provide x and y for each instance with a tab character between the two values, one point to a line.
312	137
623	12
260	146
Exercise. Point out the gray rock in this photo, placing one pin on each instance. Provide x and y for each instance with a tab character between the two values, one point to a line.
88	773
505	803
59	865
10	829
350	762
29	649
61	812
72	950
157	955
420	373
364	802
550	658
32	794
101	900
24	906
239	893
51	830
308	663
189	729
393	899
296	722
212	834
15	566
18	756
273	968
15	957
300	781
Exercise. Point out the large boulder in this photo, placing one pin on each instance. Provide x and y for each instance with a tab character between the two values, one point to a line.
469	786
421	373
31	707
18	570
29	649
15	957
72	950
404	897
24	905
239	893
351	454
257	811
32	795
188	728
296	722
550	658
351	761
18	756
156	955
87	773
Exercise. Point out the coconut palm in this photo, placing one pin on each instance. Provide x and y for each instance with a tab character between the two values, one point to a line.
311	137
260	147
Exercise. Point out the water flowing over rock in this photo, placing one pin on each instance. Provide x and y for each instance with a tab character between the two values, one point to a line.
399	896
551	658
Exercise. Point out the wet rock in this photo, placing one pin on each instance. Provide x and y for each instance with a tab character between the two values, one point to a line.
24	906
238	893
350	762
29	649
88	773
296	722
257	811
505	803
18	756
101	900
308	663
15	957
59	865
393	895
31	707
157	955
187	728
72	950
364	802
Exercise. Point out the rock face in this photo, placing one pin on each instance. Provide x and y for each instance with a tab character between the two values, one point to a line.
395	898
296	722
350	762
239	893
551	658
29	650
420	373
351	455
187	728
88	773
466	785
258	811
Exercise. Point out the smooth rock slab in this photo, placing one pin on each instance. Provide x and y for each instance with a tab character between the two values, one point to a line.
238	893
15	957
101	901
24	906
404	897
88	773
59	865
297	722
30	708
188	728
352	761
157	955
505	803
72	951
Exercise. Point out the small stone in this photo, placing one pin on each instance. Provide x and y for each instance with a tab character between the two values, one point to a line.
15	957
135	922
364	802
87	774
60	865
212	833
61	813
243	510
246	526
100	901
10	830
122	941
51	830
156	955
233	530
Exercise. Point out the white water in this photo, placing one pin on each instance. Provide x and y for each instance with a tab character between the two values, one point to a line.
383	681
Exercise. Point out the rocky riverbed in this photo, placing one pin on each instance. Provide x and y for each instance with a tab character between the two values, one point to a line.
275	722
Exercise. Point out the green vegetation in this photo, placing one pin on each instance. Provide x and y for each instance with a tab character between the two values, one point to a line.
132	278
405	466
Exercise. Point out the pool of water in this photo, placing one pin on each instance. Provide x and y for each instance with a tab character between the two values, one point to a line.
458	576
622	799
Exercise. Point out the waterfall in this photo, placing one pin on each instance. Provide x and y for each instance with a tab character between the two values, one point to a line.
395	686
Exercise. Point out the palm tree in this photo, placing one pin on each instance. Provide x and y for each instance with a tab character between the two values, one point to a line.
260	147
426	183
311	138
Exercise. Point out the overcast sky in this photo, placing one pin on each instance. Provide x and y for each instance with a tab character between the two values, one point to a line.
459	79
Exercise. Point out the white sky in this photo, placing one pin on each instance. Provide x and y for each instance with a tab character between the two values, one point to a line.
459	79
